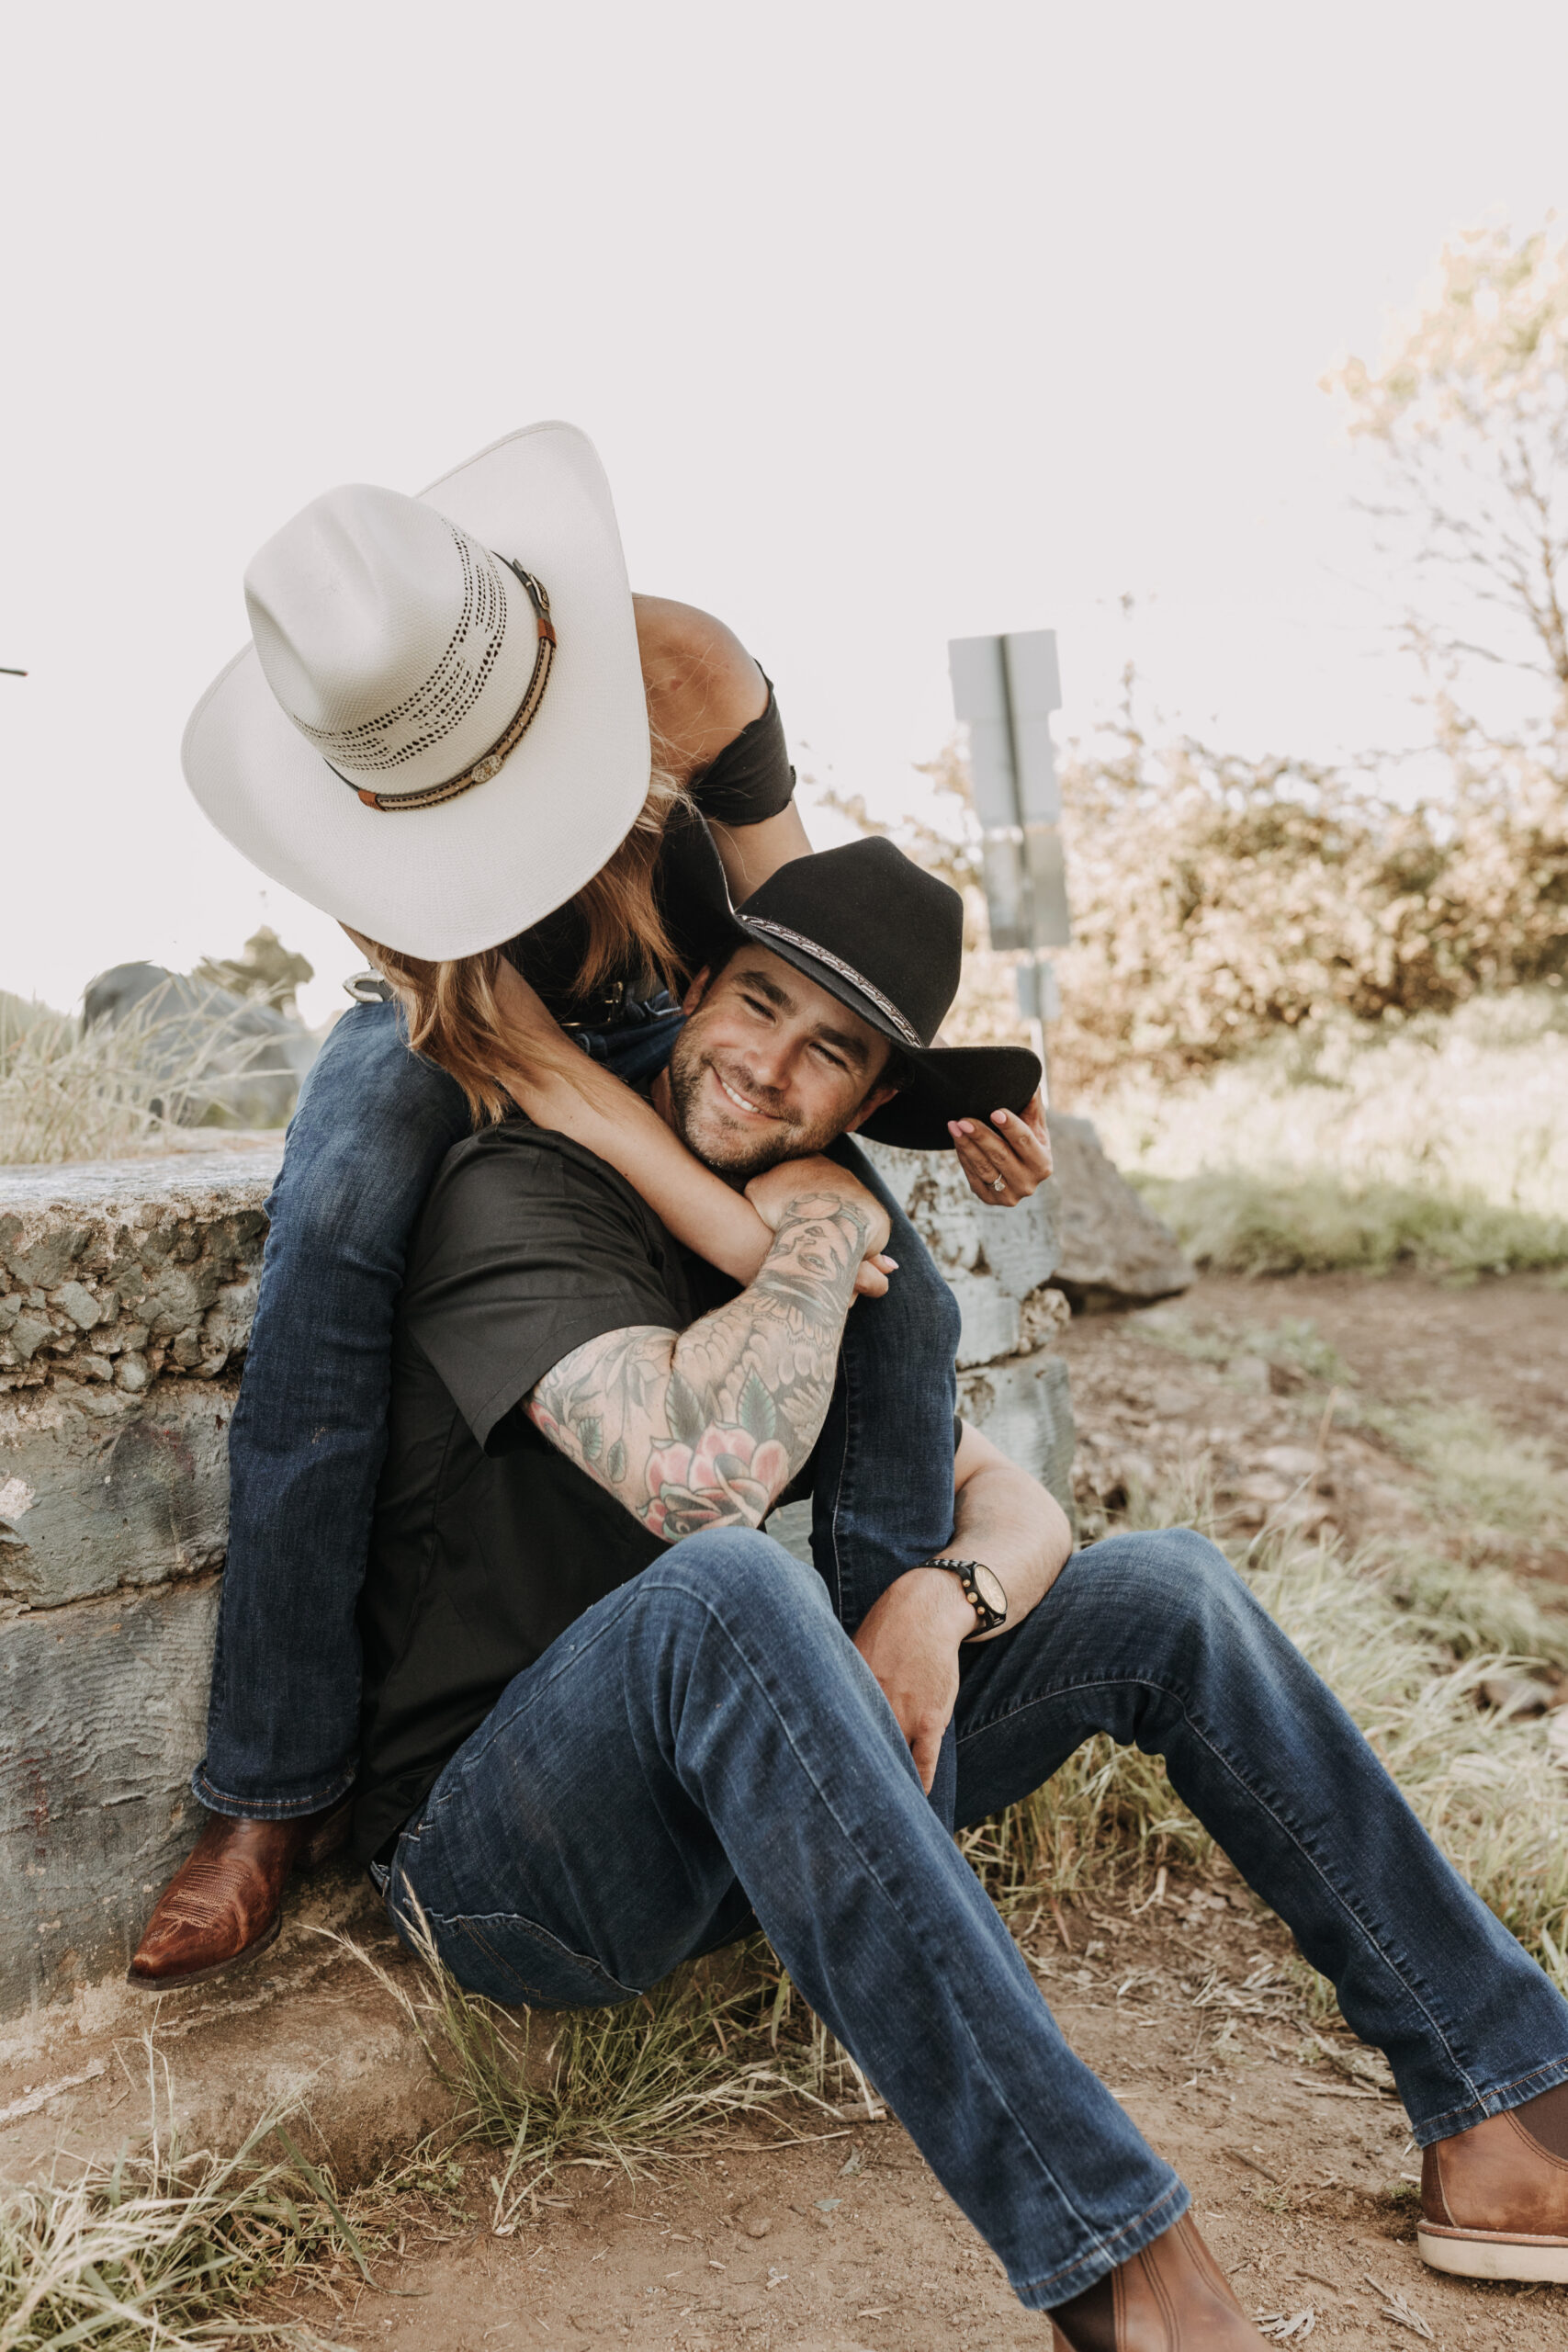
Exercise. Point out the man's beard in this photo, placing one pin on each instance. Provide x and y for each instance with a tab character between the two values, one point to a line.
735	1156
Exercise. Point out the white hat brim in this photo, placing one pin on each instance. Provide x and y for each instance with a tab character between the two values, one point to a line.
472	872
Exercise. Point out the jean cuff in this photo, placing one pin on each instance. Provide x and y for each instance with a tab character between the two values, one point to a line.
1108	2252
268	1808
1518	2092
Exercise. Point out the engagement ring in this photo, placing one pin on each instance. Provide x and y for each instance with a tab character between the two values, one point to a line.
997	1184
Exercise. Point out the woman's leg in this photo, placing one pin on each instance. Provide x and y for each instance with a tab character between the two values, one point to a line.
373	1125
882	1501
882	1471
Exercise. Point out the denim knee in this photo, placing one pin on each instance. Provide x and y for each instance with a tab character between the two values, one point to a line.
748	1574
1172	1583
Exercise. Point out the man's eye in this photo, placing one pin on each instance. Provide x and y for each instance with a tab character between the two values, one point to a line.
833	1060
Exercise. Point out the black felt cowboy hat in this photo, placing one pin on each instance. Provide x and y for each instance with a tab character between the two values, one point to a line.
887	938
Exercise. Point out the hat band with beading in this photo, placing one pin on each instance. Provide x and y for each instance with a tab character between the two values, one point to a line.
490	762
846	972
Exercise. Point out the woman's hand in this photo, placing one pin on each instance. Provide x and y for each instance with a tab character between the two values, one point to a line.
1007	1160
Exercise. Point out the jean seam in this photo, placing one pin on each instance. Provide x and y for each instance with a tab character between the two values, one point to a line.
1144	1682
275	1808
467	1923
1026	2141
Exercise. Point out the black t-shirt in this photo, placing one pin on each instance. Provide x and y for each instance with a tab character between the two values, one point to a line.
487	1541
751	780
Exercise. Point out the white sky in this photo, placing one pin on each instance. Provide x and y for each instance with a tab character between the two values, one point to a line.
892	322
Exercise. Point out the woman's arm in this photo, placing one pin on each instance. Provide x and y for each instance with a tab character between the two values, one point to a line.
703	688
748	853
562	1087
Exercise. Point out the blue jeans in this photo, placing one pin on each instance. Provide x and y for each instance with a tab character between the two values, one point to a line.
373	1125
736	1753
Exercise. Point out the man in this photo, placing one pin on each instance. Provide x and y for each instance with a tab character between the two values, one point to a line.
608	1719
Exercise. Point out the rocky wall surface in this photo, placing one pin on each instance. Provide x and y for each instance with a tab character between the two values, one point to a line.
1002	1264
126	1296
127	1292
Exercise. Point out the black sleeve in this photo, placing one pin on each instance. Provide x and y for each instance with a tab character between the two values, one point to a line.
528	1248
752	778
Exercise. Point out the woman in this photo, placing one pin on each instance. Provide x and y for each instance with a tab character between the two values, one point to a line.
461	774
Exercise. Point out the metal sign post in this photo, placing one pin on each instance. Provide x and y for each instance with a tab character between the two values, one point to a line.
1004	689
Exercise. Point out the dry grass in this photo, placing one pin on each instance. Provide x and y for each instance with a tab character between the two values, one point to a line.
1405	1639
1439	1142
113	1093
1496	1492
162	2249
618	2089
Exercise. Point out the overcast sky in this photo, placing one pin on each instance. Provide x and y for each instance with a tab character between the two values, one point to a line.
892	322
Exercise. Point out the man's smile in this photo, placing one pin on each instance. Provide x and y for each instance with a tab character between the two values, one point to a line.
742	1103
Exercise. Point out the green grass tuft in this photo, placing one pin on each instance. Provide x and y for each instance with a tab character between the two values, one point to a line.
1251	1221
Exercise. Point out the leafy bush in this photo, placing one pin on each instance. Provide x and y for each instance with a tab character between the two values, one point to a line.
1217	902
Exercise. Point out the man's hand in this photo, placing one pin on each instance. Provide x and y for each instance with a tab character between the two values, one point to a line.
793	1180
1015	1147
910	1640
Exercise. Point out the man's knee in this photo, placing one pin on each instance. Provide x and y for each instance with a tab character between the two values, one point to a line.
746	1574
1171	1580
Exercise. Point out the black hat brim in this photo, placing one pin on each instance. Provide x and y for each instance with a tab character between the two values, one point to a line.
946	1081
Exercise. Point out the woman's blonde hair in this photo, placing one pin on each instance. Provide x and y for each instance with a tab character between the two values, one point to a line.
453	1015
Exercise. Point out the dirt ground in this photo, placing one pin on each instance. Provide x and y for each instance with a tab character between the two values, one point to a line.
827	2236
1274	1420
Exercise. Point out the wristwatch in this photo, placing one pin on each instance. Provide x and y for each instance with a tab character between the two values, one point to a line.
983	1589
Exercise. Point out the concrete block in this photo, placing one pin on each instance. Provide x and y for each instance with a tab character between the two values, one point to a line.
102	1709
1017	1246
990	1315
1025	1407
99	1490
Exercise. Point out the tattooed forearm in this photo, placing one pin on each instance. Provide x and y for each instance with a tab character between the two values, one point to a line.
705	1427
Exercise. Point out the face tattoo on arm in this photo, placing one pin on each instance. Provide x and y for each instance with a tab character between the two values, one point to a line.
707	1428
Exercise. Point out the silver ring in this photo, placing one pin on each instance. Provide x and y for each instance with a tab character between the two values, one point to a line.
999	1183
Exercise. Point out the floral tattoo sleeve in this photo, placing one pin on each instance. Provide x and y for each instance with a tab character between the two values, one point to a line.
705	1427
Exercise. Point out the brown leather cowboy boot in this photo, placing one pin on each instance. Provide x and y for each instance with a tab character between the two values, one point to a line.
1171	2297
225	1901
1494	2199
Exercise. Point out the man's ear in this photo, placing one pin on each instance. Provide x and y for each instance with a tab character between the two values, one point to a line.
873	1103
698	990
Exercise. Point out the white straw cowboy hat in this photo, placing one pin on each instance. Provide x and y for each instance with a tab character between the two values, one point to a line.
438	731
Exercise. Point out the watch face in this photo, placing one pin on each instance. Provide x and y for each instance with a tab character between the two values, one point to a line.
989	1585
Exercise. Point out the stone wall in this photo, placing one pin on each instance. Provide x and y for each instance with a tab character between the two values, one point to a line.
126	1296
1000	1264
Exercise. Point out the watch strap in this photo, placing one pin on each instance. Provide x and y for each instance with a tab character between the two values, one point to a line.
989	1618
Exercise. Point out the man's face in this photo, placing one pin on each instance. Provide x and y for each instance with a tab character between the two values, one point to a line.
769	1066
